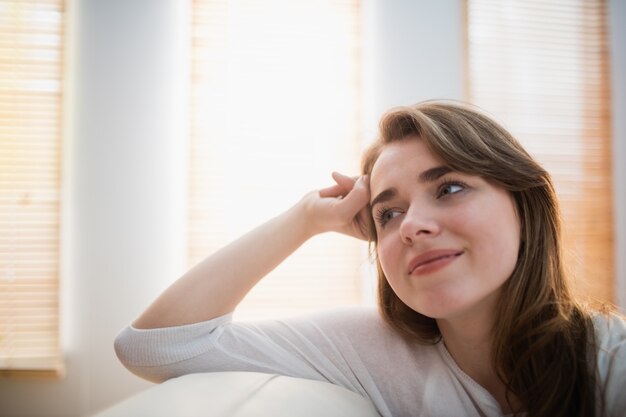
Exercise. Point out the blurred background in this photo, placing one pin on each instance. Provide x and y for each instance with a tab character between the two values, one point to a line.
138	136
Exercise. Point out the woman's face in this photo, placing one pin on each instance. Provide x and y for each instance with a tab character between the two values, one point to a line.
446	241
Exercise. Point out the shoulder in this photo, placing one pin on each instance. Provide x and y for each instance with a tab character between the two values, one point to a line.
610	330
610	340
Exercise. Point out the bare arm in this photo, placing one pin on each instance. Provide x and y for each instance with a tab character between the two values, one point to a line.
215	286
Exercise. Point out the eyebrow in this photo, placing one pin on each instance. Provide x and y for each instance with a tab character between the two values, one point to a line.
434	174
430	175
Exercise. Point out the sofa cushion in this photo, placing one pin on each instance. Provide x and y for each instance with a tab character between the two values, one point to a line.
243	394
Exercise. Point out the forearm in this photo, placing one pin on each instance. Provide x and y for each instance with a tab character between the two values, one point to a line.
215	286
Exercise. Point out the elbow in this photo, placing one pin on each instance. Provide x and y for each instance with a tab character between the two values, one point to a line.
132	353
140	355
125	349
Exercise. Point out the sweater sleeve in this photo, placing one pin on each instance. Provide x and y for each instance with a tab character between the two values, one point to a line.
326	346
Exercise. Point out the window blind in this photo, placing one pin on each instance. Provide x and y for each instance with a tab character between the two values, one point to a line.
31	63
541	67
275	93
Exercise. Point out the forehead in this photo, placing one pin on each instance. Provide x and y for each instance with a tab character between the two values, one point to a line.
409	156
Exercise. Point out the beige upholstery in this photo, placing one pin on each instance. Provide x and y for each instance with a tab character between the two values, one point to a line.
243	394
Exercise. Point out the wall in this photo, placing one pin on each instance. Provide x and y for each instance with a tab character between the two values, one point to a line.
617	30
413	51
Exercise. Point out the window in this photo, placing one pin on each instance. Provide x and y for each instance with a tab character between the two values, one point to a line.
275	93
541	67
31	65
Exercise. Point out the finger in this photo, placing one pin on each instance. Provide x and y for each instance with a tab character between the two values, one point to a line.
356	199
332	191
365	224
344	181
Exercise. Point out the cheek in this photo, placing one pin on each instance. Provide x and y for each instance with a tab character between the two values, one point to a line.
495	237
388	252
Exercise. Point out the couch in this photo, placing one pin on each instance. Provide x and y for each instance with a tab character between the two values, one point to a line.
242	394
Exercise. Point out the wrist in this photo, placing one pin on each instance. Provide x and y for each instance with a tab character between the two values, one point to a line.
305	215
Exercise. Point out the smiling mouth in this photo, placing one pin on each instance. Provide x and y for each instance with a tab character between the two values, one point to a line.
430	262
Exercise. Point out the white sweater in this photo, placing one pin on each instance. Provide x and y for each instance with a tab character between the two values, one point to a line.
353	348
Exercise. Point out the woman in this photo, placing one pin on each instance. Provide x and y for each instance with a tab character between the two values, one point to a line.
476	317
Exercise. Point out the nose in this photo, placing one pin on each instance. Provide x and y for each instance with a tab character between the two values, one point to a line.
418	224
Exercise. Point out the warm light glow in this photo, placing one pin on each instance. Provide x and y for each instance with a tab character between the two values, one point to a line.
275	110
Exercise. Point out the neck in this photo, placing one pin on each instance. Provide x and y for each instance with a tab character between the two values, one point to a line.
468	334
468	339
469	343
470	346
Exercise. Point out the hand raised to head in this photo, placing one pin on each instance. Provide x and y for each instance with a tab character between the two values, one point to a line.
342	207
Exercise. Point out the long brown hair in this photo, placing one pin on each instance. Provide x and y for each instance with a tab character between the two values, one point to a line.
542	341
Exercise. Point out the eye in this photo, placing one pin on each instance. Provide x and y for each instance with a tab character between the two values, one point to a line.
384	215
449	188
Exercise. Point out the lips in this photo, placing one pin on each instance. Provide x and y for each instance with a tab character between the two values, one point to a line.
433	258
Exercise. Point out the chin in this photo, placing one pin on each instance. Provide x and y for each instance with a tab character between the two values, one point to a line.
441	308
